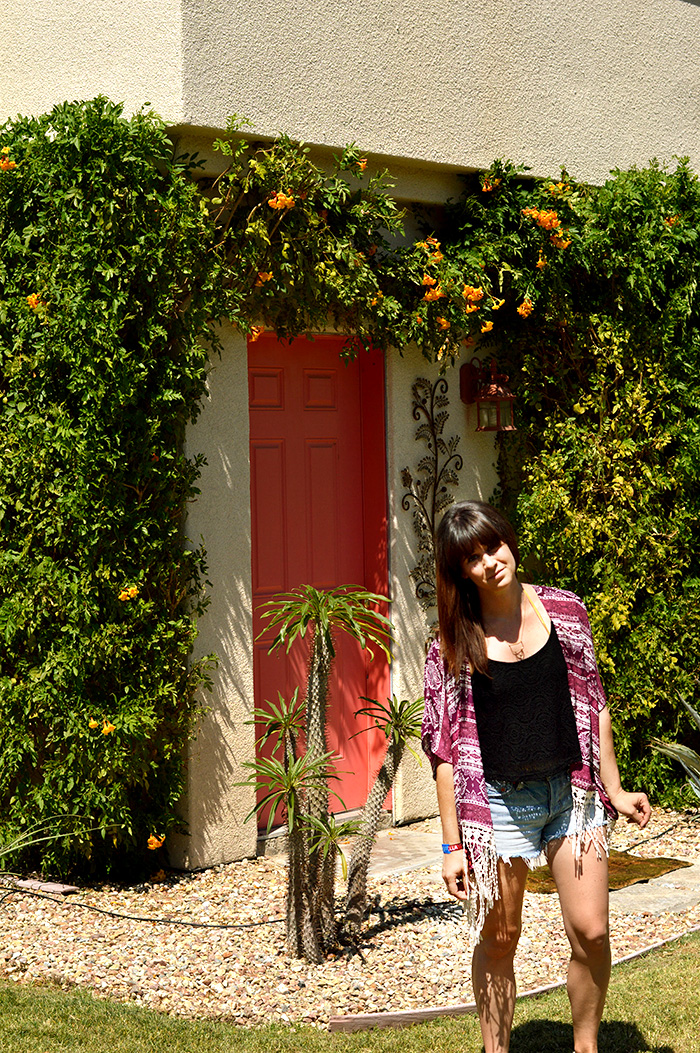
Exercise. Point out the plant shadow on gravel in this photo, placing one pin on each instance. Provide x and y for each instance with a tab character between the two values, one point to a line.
552	1036
394	915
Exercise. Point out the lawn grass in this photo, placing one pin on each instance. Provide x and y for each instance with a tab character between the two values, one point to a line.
653	1007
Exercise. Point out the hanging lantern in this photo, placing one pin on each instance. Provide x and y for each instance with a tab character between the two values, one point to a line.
487	388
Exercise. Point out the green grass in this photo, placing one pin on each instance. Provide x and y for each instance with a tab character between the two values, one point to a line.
653	1007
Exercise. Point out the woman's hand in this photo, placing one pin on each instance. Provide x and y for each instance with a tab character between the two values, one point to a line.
454	874
634	806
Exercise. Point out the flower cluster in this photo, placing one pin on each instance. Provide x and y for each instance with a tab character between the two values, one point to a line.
549	220
472	294
526	308
129	594
256	332
6	165
434	294
263	276
107	726
490	184
155	842
34	301
280	200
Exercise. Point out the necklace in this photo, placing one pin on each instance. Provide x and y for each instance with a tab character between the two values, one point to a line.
517	650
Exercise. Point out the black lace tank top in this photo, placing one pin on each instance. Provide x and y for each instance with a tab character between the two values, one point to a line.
524	716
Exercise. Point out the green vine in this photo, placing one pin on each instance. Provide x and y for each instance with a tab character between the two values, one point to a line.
104	280
603	477
118	262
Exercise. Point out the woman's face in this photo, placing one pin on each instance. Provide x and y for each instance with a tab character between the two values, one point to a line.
490	568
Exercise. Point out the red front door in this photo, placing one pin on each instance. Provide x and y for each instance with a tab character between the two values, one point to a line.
318	495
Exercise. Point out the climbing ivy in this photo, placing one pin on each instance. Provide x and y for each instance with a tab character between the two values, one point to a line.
599	330
104	280
120	259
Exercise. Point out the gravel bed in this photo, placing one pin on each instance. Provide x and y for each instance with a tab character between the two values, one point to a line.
414	954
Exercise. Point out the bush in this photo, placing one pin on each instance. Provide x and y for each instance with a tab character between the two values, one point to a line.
602	477
103	289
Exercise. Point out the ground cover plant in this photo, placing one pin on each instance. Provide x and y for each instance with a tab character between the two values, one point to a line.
662	1019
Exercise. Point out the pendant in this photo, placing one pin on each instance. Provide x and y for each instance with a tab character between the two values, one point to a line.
518	651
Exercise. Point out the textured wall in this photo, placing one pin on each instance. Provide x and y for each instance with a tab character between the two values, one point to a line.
449	82
455	81
414	795
214	806
58	50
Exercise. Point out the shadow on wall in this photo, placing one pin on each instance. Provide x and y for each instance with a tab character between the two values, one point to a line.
476	479
214	806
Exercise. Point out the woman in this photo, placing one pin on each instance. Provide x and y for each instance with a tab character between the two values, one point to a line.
519	736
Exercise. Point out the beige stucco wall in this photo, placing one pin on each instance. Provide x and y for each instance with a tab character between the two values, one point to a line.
457	82
60	50
452	83
215	806
414	793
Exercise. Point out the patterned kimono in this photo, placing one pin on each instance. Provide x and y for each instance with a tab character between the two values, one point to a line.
449	734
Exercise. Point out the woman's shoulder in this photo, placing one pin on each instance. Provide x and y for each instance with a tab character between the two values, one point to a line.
550	594
563	606
434	652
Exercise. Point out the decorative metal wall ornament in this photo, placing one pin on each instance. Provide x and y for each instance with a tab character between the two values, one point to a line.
429	493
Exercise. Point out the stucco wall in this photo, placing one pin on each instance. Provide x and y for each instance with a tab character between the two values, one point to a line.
414	793
215	806
455	82
60	50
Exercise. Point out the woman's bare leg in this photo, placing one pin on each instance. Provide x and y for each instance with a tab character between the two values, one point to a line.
583	893
492	964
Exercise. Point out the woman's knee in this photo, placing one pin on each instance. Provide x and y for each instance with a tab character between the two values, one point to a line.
590	941
500	941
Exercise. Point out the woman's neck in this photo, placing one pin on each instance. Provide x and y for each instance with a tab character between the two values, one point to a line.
502	606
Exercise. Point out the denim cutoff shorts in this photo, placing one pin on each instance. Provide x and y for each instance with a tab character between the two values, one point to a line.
528	815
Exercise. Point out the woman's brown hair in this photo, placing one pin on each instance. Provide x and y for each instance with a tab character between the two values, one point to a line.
463	527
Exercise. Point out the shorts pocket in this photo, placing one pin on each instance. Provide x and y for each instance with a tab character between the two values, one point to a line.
500	788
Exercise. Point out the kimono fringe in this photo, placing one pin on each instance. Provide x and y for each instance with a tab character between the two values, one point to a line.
482	858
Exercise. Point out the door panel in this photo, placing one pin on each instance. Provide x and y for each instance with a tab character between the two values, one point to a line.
318	497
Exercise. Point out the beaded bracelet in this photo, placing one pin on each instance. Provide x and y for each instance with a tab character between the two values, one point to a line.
451	848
